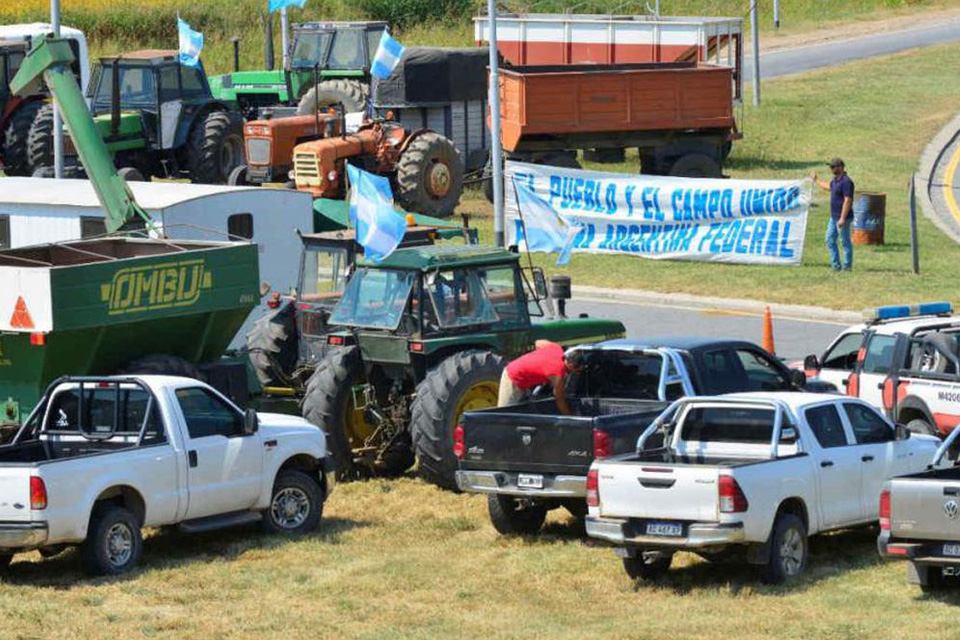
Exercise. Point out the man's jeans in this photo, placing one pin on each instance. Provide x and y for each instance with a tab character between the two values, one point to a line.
844	233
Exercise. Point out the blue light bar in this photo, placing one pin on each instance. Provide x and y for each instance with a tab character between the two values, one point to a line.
894	312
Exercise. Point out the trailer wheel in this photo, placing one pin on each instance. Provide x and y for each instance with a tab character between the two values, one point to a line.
16	160
430	176
215	147
514	516
696	165
354	95
162	365
464	381
114	542
272	346
789	549
647	565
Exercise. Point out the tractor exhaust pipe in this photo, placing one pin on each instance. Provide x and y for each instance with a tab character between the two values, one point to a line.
114	98
560	290
236	52
268	51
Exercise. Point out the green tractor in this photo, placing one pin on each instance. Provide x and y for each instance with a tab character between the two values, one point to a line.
420	338
158	118
329	64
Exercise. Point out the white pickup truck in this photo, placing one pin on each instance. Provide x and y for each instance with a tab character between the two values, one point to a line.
759	471
100	458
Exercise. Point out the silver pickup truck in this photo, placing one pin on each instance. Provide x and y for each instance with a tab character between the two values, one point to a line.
920	519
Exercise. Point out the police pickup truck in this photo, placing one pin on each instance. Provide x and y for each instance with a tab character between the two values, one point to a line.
529	459
100	458
754	471
903	360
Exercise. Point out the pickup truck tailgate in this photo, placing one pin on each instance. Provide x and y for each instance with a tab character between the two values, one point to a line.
921	509
658	491
15	494
528	443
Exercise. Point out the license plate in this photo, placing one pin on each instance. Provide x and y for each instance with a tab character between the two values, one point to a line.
664	529
951	550
529	481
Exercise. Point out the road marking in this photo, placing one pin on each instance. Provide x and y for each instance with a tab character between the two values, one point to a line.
948	185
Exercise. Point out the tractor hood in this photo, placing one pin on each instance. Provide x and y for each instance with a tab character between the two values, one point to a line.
573	331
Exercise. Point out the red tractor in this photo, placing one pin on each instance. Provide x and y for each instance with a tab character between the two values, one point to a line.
17	113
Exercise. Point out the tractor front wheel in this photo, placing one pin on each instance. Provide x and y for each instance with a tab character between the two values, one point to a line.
353	94
430	176
16	160
465	381
216	147
40	139
272	345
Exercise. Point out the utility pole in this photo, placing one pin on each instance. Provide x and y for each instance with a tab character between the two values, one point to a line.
57	120
756	53
285	37
776	14
656	8
496	152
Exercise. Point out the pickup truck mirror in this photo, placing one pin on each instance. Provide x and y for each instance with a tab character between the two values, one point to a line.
811	363
900	432
250	422
788	435
799	378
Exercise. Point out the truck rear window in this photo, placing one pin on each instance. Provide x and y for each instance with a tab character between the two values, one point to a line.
615	375
728	424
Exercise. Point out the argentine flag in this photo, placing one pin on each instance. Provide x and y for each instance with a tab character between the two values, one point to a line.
543	228
191	42
379	227
388	55
276	5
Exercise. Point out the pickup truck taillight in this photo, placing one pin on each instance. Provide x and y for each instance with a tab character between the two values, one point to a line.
38	493
459	448
885	509
601	443
593	489
731	495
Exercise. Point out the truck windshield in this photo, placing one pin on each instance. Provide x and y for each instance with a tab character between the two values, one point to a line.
374	299
308	48
324	275
137	87
728	424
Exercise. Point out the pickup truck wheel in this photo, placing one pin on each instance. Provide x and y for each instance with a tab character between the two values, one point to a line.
921	426
788	550
464	381
114	542
647	566
511	516
295	505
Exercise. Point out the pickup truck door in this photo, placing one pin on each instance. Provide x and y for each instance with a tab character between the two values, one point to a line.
873	370
837	466
224	467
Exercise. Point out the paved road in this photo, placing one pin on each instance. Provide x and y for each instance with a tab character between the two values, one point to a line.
797	60
793	339
945	187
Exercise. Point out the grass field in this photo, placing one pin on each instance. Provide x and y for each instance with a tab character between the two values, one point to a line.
402	559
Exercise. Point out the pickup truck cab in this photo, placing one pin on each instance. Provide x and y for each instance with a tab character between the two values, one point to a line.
529	459
919	519
101	458
759	471
904	360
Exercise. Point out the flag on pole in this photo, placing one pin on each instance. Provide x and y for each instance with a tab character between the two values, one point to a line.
379	227
276	5
543	229
388	55
191	42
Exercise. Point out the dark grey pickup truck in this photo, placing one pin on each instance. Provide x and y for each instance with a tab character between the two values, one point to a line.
530	459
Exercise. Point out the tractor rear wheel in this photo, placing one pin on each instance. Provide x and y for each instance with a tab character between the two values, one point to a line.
131	174
430	176
238	177
16	160
215	147
272	345
465	381
40	139
161	364
354	95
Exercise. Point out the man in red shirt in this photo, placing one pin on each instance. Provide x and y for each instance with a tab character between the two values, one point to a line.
546	364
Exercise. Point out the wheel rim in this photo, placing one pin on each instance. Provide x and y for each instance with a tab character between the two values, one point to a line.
119	544
290	508
791	552
356	425
438	179
479	396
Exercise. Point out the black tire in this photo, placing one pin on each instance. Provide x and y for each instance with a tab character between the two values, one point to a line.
514	517
576	507
131	174
215	147
561	159
789	550
272	346
238	177
647	566
354	95
921	426
162	365
40	139
430	176
16	159
5	560
114	542
296	504
437	408
487	179
696	165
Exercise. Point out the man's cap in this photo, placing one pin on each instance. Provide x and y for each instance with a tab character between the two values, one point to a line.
837	162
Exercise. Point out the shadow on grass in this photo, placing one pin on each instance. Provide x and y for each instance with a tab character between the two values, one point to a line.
169	549
830	554
748	163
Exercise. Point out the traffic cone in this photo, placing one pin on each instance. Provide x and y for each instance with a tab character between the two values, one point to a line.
766	340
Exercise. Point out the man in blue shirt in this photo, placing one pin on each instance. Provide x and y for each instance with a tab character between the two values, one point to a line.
841	217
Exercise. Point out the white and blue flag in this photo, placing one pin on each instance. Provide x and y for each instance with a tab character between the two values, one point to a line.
387	57
543	229
379	227
276	5
191	42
